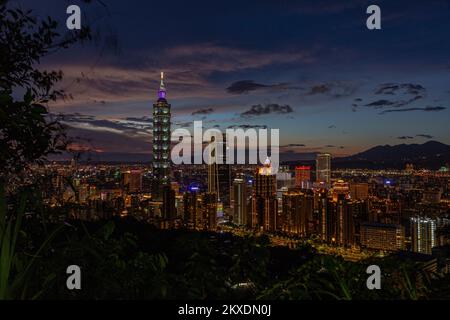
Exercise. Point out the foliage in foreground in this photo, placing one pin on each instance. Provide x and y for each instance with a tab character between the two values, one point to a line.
125	259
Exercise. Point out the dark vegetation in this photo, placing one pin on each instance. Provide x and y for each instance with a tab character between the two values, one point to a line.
125	259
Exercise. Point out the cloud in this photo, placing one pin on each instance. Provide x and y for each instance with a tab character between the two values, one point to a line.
189	69
184	124
247	126
73	117
106	141
144	119
259	110
378	104
245	86
426	109
332	126
294	145
132	127
204	111
335	89
426	136
403	88
319	89
123	135
400	95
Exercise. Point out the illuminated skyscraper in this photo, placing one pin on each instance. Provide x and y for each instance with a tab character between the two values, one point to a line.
323	168
423	234
132	180
359	191
240	202
388	237
219	174
302	176
340	187
284	178
264	200
208	211
324	209
336	219
161	142
344	227
297	212
213	177
191	208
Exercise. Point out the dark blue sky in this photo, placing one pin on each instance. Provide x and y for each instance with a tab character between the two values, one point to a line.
310	68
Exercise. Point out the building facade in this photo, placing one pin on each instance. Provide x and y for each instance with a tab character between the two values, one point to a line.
423	234
161	143
323	168
264	200
240	202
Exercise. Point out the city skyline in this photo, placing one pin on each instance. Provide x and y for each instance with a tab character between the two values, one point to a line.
325	93
257	151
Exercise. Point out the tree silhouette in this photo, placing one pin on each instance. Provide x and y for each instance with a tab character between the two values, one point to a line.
27	133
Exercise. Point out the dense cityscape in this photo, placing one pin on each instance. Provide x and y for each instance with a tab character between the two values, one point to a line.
224	157
355	213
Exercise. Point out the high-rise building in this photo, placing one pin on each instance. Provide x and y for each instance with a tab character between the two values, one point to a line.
380	236
409	168
264	200
284	180
240	201
359	191
336	220
431	196
302	176
168	207
224	176
323	168
132	180
213	177
297	212
423	234
324	210
161	142
191	208
344	226
208	211
340	187
219	174
200	209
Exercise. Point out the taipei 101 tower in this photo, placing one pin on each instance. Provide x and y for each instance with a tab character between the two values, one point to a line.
161	143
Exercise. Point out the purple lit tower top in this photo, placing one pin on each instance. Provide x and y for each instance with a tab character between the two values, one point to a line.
162	88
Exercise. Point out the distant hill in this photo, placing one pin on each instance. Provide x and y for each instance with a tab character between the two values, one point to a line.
431	154
405	152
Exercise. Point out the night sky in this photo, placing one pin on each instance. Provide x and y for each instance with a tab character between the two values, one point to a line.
310	68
